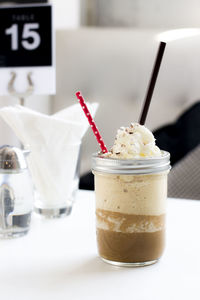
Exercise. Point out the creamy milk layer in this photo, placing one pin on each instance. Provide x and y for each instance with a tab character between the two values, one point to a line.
131	194
132	142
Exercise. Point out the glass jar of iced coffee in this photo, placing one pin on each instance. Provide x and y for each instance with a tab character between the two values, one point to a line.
130	208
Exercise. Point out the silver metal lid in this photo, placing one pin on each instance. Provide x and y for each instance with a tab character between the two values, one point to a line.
131	166
12	159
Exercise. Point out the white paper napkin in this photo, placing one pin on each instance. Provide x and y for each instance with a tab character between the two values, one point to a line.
54	142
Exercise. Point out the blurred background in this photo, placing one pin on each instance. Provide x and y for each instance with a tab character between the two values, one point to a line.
106	49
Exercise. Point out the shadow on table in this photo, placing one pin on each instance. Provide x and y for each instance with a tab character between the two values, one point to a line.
59	277
92	266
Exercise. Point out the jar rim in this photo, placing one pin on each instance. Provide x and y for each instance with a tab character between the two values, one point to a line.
131	166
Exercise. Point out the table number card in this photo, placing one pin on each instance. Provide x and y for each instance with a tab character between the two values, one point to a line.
27	45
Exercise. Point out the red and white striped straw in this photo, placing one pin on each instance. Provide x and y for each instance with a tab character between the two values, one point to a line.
91	122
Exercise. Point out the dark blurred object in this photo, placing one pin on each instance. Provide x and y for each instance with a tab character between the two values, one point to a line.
184	177
87	182
178	138
24	1
182	136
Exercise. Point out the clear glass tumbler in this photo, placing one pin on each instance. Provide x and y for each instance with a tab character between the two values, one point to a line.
55	191
130	208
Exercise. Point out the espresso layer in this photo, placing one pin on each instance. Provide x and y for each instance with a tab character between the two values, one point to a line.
130	247
128	223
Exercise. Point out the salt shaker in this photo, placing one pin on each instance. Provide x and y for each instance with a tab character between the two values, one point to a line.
16	192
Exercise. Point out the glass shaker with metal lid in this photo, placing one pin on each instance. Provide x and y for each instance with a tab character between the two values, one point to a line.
16	192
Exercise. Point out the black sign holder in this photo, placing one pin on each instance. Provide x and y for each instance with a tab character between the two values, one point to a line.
27	46
30	88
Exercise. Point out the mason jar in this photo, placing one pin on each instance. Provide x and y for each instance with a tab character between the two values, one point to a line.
131	208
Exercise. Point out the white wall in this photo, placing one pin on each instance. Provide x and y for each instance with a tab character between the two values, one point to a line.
143	13
66	13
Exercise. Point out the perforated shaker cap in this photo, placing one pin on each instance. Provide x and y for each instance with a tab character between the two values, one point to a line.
12	159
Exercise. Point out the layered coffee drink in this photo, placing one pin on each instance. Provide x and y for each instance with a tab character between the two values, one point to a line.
131	191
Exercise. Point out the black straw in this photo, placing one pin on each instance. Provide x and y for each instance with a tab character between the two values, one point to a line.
152	83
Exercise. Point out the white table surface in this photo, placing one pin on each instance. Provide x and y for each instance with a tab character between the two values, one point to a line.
58	260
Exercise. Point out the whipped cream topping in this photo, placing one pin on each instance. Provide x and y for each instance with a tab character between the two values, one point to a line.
135	141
